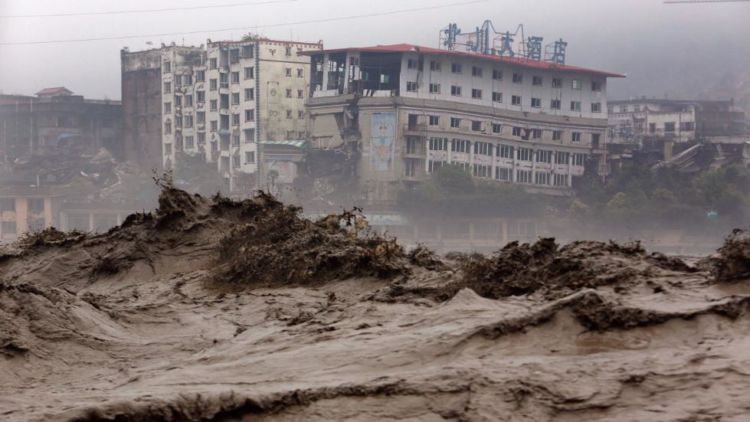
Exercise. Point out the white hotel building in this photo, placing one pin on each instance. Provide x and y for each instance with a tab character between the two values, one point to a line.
412	109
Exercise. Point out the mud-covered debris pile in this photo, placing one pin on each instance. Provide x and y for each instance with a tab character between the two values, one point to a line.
733	260
519	269
274	245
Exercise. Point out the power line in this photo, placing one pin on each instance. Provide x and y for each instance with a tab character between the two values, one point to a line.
273	25
703	1
134	11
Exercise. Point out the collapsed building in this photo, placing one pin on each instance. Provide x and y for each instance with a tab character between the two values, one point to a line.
402	111
217	101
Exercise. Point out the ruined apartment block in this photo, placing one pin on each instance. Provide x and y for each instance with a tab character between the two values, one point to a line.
413	109
221	100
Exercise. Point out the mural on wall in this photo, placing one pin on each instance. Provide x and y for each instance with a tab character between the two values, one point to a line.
382	140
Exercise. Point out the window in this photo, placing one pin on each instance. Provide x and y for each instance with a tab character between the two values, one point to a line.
435	66
555	104
544	156
476	94
224	80
562	157
167	67
456	67
411	64
168	149
212	85
224	123
288	93
502	174
178	122
460	145
497	74
525	154
595	138
249	94
556	83
497	128
7	204
250	115
177	101
556	135
212	63
200	75
541	179
168	128
434	165
455	122
434	88
201	96
576	84
412	86
188	121
455	91
536	133
300	72
289	114
249	135
651	127
214	125
249	72
506	151
167	108
687	126
214	105
497	97
517	78
189	142
482	171
224	101
288	72
523	176
536	102
476	71
596	107
167	87
561	180
201	117
596	86
434	120
234	55
536	80
578	159
300	114
188	101
248	51
483	148
301	93
575	137
235	77
669	127
515	100
235	119
235	98
575	106
517	131
250	157
438	144
476	125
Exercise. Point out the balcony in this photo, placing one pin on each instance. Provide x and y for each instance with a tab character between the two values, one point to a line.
415	129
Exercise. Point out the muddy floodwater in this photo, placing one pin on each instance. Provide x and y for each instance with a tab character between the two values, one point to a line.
211	309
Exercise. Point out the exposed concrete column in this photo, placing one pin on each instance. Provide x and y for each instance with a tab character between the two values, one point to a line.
427	155
450	150
325	73
48	220
494	155
22	216
91	221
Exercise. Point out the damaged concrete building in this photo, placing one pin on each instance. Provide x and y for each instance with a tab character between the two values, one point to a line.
407	110
218	102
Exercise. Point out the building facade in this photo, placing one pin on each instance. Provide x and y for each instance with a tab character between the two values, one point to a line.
220	100
633	121
55	118
412	109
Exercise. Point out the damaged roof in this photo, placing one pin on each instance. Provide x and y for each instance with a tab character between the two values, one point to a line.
517	61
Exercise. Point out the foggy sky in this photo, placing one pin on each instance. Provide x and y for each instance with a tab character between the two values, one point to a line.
675	50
